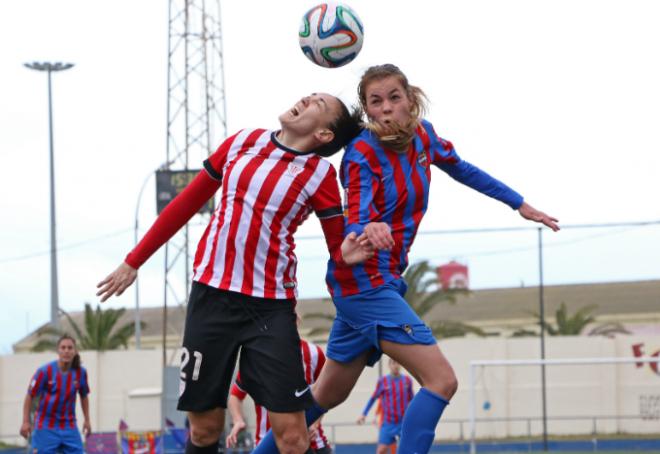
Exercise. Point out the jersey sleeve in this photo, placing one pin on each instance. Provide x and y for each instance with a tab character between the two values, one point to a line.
444	156
376	394
84	383
216	162
359	181
236	389
173	217
326	203
37	384
320	362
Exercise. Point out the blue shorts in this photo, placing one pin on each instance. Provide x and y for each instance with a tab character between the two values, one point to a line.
364	319
389	432
51	441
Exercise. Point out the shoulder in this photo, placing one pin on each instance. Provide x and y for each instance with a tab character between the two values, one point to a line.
246	138
429	129
43	369
365	142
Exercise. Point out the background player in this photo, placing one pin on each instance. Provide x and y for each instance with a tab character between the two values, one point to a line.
313	361
55	385
393	394
244	289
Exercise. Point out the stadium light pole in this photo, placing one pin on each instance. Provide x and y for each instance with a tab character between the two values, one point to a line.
542	323
54	291
138	322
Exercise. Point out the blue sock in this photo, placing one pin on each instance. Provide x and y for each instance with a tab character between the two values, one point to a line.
267	444
419	421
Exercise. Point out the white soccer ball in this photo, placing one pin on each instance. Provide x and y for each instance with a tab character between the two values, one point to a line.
331	34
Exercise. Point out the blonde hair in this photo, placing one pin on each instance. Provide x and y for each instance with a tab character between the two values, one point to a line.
394	135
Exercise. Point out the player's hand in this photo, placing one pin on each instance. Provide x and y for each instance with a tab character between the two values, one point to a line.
532	214
232	438
356	249
313	430
116	282
26	429
87	428
380	235
361	419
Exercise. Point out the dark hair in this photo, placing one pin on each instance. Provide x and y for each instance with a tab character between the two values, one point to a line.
394	135
345	128
75	364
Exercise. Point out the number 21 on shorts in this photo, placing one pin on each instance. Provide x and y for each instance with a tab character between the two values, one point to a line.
185	357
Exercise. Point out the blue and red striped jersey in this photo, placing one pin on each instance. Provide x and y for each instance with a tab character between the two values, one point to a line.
381	185
395	393
57	391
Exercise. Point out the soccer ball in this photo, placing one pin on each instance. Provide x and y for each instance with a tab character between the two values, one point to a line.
331	34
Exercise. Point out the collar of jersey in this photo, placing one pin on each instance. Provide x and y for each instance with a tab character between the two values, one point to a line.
278	144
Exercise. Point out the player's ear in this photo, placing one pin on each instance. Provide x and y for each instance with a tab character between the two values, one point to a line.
324	135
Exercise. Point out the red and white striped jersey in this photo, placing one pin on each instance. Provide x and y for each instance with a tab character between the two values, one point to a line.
268	190
313	361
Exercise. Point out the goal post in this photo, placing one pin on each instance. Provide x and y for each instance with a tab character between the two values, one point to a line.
535	362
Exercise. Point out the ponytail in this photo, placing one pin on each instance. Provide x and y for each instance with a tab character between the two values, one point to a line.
75	364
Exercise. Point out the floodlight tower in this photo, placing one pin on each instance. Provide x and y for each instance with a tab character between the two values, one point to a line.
196	116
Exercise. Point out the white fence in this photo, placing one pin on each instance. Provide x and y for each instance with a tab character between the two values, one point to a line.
127	385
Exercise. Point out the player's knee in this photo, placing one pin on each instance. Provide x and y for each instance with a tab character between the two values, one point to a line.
449	385
293	442
444	384
205	432
452	386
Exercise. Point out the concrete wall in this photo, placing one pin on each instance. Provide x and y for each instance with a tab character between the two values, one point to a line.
127	385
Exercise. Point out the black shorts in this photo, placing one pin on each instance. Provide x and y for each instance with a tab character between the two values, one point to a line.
219	323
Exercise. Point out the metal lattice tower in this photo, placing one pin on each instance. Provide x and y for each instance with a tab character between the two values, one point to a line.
196	114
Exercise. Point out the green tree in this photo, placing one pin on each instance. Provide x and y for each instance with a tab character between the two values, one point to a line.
98	333
567	324
424	294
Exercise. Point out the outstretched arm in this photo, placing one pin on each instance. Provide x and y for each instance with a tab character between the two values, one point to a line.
174	216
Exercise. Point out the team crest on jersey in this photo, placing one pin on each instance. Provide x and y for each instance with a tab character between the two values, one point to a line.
422	159
294	169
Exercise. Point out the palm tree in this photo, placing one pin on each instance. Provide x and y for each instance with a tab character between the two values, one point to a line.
423	294
100	332
573	325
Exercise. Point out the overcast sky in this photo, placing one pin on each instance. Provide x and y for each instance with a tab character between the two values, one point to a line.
558	99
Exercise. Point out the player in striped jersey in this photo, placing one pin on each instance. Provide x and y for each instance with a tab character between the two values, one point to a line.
244	281
56	384
393	392
386	172
313	361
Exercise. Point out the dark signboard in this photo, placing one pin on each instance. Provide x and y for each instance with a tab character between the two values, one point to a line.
169	183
